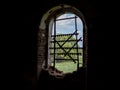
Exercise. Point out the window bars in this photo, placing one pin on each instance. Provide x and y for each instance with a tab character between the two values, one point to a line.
66	50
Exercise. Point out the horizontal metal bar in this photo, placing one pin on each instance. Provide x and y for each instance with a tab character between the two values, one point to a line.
65	53
66	18
64	59
66	48
64	34
67	41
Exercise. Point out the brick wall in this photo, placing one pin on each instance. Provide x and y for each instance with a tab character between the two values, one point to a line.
41	49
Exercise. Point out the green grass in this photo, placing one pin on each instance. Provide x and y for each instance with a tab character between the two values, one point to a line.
68	66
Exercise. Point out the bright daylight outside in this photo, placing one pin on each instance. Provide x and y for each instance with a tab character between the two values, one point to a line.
67	45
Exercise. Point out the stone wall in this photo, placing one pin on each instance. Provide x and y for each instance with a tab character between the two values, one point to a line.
41	49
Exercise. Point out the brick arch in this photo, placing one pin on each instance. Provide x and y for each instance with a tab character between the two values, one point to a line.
45	27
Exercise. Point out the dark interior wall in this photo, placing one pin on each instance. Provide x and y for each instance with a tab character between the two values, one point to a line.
92	11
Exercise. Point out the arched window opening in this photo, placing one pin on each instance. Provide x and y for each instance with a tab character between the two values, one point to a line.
66	43
63	41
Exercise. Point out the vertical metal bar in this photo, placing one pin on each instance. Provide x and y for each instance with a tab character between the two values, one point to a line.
85	54
84	47
54	41
77	42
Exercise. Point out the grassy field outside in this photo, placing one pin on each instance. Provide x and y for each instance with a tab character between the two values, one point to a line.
68	66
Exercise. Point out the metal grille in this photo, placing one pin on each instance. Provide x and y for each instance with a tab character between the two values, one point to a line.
66	51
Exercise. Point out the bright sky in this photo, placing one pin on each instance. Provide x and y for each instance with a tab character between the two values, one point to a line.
68	26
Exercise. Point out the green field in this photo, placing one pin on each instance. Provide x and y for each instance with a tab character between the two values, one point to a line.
68	66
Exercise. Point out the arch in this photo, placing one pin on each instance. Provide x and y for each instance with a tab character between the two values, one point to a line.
47	22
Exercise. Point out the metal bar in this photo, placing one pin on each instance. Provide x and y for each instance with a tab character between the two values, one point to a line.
65	18
66	48
77	42
68	38
64	59
65	34
66	52
65	40
54	40
71	47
